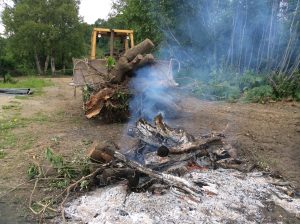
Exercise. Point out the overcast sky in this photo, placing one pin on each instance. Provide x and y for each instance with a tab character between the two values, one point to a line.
90	10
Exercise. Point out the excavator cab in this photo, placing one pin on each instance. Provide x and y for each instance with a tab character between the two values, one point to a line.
119	41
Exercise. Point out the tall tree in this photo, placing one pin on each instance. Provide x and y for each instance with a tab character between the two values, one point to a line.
43	30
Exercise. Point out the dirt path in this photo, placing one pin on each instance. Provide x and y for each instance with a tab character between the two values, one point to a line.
268	133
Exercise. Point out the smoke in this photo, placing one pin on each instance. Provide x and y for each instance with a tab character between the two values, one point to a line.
153	92
232	35
217	42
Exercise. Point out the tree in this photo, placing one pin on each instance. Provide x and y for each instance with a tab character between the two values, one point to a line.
43	30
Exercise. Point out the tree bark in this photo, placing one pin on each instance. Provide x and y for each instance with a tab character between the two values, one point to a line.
52	62
37	63
131	59
46	65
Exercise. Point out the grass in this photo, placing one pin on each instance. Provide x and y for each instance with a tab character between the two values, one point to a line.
11	107
2	154
33	82
8	138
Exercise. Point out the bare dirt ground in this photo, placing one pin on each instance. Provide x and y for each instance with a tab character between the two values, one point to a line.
268	134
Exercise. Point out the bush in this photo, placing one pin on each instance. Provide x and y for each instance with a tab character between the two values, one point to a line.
216	91
9	79
285	86
249	80
261	94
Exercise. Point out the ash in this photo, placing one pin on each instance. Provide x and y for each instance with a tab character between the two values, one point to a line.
231	197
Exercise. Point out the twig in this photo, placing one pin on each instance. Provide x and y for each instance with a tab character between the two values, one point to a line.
30	199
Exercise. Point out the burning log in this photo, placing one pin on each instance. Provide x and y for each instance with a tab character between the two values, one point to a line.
167	155
172	180
98	153
177	140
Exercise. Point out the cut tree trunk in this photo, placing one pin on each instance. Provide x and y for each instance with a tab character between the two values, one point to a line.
131	59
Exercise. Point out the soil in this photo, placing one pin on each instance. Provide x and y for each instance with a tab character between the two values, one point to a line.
266	134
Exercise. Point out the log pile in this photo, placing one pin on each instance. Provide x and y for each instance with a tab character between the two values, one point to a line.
162	155
109	99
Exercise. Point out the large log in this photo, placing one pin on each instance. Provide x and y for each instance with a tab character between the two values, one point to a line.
131	59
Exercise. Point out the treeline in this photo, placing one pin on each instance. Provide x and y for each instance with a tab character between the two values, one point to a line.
225	47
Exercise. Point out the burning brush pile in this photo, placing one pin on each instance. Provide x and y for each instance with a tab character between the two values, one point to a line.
162	154
172	177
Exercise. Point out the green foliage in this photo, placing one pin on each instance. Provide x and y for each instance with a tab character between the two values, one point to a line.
33	171
37	29
261	94
66	169
2	154
285	86
59	164
110	63
86	93
297	95
60	184
216	91
9	79
249	80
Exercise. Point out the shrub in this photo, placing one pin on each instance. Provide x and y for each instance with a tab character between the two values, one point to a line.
249	80
260	94
217	91
285	86
9	79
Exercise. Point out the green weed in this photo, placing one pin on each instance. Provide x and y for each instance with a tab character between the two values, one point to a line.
110	63
2	154
33	171
15	107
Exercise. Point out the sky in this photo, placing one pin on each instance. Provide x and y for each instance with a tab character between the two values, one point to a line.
90	10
